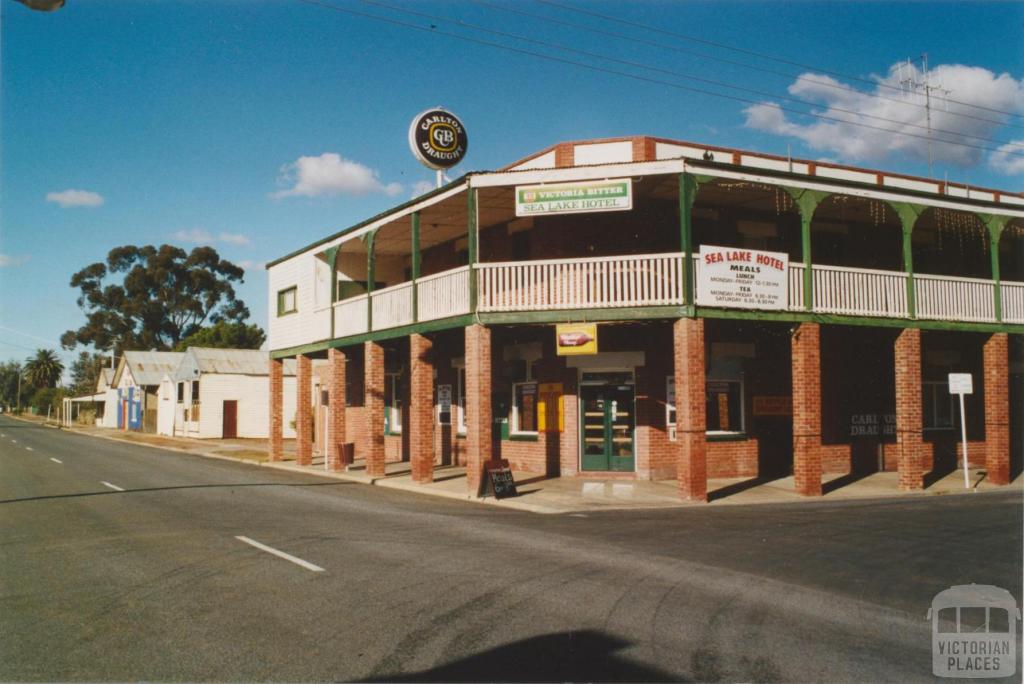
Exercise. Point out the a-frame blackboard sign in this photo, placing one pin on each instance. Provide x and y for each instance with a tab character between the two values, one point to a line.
498	480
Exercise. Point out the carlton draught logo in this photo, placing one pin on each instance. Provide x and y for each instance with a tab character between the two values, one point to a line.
438	138
974	632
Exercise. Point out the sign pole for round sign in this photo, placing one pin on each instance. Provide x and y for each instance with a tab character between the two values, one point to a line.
438	140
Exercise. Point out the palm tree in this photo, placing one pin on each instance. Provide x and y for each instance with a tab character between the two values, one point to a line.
44	369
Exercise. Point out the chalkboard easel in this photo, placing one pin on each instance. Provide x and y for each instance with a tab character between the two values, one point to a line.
498	480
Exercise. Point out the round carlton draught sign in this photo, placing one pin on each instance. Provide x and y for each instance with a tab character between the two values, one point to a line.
438	139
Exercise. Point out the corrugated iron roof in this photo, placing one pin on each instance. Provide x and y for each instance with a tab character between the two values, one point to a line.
231	361
149	367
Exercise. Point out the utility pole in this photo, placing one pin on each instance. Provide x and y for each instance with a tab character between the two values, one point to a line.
926	86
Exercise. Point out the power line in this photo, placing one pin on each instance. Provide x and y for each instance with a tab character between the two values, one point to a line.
721	84
753	53
743	65
636	77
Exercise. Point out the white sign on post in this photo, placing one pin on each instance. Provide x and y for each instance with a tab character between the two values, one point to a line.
742	278
961	384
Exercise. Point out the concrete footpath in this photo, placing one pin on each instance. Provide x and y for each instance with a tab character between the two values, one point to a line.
560	495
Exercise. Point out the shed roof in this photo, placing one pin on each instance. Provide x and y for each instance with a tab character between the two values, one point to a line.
234	361
149	367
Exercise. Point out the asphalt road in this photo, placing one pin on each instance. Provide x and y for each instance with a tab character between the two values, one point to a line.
153	583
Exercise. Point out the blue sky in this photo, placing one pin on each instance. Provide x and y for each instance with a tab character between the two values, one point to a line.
177	121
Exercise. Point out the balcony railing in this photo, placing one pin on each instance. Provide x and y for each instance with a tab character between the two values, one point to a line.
443	294
392	306
596	283
946	298
1013	302
658	280
350	316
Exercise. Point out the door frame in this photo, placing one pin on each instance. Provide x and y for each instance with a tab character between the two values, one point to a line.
580	410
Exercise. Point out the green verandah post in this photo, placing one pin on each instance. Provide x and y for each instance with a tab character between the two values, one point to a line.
908	214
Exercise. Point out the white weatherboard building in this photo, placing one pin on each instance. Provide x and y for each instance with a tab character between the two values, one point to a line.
220	394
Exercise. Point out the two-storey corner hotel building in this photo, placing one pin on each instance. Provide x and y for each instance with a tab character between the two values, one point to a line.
754	316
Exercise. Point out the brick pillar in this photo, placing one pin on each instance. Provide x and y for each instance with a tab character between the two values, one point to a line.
276	372
996	367
478	404
806	350
336	409
691	418
909	415
373	407
421	409
303	414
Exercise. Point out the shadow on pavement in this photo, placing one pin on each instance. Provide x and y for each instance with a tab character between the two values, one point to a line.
165	489
586	655
738	487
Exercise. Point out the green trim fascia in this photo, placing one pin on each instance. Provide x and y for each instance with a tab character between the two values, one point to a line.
995	225
908	214
472	244
384	214
582	315
415	265
837	319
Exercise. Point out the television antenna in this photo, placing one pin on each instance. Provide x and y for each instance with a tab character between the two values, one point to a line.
926	87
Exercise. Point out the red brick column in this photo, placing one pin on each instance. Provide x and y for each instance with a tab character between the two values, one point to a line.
478	404
336	410
276	373
373	407
303	415
421	409
996	367
909	415
691	418
806	351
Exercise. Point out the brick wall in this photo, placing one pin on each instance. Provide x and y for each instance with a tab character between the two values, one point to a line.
807	453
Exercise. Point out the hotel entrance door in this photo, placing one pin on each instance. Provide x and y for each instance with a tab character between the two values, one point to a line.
607	421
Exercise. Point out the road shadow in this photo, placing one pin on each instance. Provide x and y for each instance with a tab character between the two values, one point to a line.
586	655
165	489
737	487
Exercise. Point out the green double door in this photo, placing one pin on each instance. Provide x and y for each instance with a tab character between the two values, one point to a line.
607	421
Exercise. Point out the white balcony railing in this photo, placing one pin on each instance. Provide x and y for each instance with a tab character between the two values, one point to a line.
350	316
392	306
796	286
948	298
600	282
443	294
860	291
1013	302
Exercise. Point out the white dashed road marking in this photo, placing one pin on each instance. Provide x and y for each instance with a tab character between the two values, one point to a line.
56	460
112	486
281	554
29	449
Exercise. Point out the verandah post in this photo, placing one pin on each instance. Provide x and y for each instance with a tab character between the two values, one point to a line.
472	245
908	214
415	265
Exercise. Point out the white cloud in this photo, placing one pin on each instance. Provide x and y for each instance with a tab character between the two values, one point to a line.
851	140
1008	159
236	239
331	174
199	236
75	198
8	260
196	235
422	188
250	265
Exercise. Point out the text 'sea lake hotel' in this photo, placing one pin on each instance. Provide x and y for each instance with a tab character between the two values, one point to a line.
643	308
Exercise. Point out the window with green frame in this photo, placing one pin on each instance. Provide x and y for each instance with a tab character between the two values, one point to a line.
287	300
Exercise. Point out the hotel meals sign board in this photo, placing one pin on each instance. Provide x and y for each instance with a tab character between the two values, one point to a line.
742	278
575	198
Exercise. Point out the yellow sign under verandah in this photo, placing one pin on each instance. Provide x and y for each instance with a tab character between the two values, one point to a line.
572	339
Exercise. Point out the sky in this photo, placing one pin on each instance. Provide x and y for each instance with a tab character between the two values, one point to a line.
260	126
